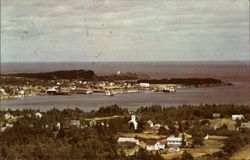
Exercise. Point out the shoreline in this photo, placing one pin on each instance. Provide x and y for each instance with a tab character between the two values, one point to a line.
152	86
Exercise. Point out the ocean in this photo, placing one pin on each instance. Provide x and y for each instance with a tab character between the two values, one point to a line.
236	72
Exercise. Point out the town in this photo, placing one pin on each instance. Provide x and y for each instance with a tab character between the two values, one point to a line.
87	82
112	132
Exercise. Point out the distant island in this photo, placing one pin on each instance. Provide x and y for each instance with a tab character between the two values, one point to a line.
80	74
65	74
197	82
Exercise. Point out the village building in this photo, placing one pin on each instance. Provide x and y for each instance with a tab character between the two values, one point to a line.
155	145
101	84
8	116
92	123
104	124
245	125
52	90
144	85
174	149
214	127
151	124
166	127
157	126
174	141
21	92
216	115
133	121
7	125
237	116
206	137
38	115
125	139
76	123
58	125
54	125
111	84
2	91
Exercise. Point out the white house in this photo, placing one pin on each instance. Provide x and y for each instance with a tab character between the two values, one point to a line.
174	141
144	85
206	137
58	125
125	139
21	92
174	149
2	91
237	116
151	124
155	145
38	115
76	123
8	125
101	84
166	127
245	125
157	126
52	90
133	120
92	123
8	116
216	115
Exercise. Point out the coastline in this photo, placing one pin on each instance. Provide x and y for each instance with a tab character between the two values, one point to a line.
152	86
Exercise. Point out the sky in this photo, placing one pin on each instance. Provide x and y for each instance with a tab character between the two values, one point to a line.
124	30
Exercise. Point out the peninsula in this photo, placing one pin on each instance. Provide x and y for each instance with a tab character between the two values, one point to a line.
87	81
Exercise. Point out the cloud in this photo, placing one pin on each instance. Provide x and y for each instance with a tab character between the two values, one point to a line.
93	30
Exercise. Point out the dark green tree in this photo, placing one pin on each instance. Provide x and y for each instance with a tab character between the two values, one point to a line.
186	156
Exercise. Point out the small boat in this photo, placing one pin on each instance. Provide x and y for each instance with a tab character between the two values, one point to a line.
172	90
169	89
109	93
89	92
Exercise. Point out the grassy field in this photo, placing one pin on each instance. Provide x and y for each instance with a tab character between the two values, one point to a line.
214	141
221	121
103	118
243	153
144	135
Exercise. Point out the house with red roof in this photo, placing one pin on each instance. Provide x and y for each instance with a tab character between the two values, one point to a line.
155	145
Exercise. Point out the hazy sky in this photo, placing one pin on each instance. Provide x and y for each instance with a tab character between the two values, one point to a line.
124	30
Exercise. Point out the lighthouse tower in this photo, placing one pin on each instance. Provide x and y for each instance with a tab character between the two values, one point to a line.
133	120
118	72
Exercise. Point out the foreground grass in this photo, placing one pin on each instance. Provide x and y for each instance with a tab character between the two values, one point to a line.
197	153
243	153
